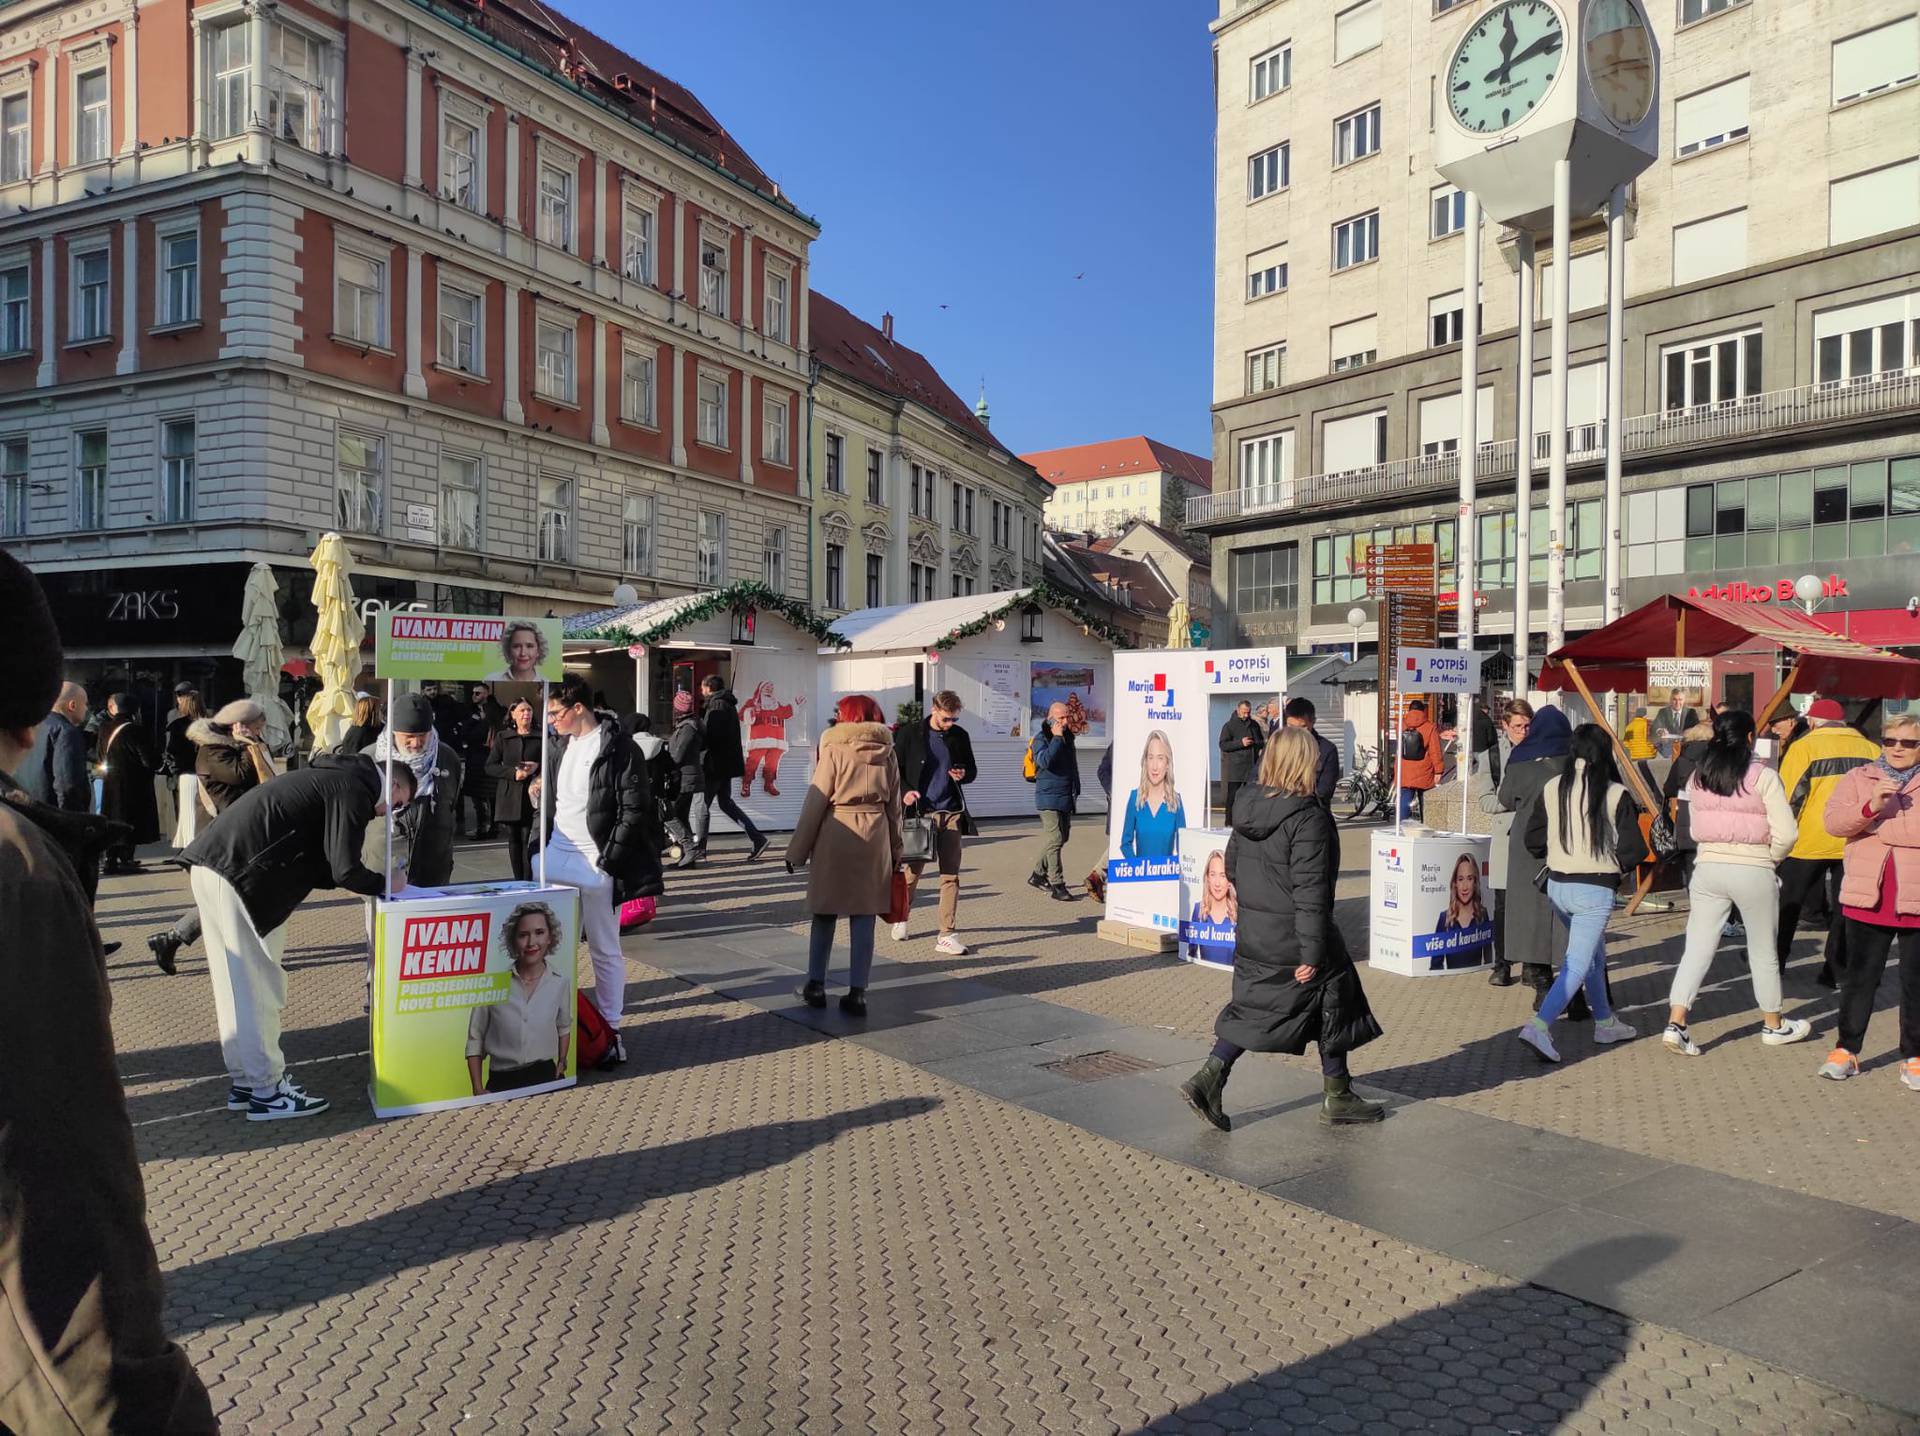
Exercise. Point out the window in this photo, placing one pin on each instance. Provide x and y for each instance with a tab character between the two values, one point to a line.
227	71
926	492
556	519
711	401
1266	579
1354	343
16	132
1356	240
90	139
92	295
1000	524
920	580
876	482
1711	118
1357	135
90	480
836	575
460	328
1876	60
1267	172
1691	10
779	290
1586	412
360	298
636	533
1587	281
710	556
1872	203
553	371
1267	272
14	488
1358	441
1339	560
963	508
1860	343
1265	368
773	429
962	586
836	479
876	580
360	486
460	524
16	309
636	239
557	179
1449	209
638	402
1710	246
461	171
1267	462
1272	73
773	560
177	300
176	471
1446	318
296	87
714	259
1356	30
1703	372
1440	422
920	491
1861	510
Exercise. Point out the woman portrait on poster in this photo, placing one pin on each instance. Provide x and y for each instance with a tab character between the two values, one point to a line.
1216	913
1154	814
524	647
1466	911
525	1035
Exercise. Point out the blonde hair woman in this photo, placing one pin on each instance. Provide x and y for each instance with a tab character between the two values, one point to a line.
1154	815
524	1039
1215	911
1293	979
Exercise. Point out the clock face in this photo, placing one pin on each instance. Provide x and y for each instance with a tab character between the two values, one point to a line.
1619	61
1504	66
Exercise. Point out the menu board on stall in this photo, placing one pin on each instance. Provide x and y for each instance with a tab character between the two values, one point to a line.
466	648
989	690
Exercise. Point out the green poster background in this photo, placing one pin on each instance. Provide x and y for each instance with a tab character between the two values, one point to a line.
465	647
425	990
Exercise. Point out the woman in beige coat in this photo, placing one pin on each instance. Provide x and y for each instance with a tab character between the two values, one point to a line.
849	829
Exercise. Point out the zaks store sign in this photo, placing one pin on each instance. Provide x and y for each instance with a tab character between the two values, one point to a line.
1740	591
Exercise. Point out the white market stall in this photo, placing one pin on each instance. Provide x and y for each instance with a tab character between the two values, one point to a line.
1008	655
764	646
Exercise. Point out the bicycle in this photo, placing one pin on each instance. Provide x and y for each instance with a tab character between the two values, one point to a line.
1365	790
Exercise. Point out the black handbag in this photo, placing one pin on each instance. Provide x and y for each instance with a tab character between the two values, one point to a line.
916	840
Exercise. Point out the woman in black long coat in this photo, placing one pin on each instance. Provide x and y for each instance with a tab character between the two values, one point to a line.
127	765
513	764
1294	981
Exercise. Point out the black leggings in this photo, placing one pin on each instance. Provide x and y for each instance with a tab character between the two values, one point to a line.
519	836
1332	1064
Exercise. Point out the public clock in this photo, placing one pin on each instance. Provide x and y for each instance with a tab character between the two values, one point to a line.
1505	64
1619	60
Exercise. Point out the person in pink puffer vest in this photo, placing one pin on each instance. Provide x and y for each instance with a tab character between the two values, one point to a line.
1876	809
1743	825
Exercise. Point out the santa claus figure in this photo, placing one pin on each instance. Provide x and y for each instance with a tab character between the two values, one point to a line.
766	720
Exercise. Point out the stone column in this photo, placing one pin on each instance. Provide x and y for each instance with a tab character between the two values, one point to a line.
258	136
416	117
601	435
512	411
676	365
129	297
599	209
416	379
749	426
510	205
130	83
48	369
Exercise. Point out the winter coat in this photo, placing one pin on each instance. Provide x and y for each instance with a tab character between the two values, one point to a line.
1533	933
1326	770
622	818
1753	825
476	743
510	801
1674	789
1239	762
1810	771
724	757
178	754
302	831
1283	860
1424	772
663	778
426	827
848	832
127	766
1575	855
1058	767
55	770
222	762
82	1344
914	754
686	747
83	837
1893	836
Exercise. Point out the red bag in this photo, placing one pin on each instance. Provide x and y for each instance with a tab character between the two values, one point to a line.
901	898
637	913
594	1039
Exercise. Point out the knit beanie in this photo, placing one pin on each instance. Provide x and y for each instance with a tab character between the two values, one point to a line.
33	679
412	713
682	703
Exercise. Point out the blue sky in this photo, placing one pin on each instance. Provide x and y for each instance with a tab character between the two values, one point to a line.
981	156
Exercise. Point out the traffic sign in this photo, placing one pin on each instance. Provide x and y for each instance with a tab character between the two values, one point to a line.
1400	568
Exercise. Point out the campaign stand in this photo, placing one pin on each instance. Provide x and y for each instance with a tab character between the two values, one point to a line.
442	954
1207	926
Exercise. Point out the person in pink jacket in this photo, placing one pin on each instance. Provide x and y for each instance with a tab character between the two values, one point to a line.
1876	809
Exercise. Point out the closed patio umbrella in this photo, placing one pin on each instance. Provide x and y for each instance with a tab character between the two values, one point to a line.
261	651
336	642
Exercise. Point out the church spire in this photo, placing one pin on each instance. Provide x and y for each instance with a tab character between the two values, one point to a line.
980	410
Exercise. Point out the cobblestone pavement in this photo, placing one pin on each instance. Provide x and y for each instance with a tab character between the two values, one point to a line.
751	1228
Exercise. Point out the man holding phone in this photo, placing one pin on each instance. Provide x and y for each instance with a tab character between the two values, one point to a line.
936	764
1056	786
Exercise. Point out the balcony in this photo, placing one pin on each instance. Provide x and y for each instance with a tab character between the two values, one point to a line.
1784	412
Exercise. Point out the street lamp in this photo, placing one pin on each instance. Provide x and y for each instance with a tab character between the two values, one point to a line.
1355	617
1809	590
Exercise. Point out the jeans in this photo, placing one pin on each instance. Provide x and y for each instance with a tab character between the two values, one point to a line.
1413	803
1584	908
722	793
1055	826
1868	947
859	938
1717	888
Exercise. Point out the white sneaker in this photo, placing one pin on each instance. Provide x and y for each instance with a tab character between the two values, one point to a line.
1536	1036
951	945
1677	1039
898	932
1614	1030
288	1100
1796	1029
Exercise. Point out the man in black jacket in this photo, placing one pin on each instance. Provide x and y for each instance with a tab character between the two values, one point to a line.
1326	776
936	763
271	848
55	769
726	761
1242	740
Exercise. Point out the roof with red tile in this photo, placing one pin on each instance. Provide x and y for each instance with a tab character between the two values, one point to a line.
846	343
1143	581
1113	458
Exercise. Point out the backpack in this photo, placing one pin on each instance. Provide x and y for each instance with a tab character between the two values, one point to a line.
1413	747
1027	768
594	1041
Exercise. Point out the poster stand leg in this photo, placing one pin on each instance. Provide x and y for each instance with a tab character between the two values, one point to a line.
1399	761
1466	783
546	784
386	797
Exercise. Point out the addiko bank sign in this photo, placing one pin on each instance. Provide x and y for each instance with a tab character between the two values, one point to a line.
1778	591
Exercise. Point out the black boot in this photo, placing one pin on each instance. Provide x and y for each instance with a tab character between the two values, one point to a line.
1203	1091
1537	976
854	1004
164	945
814	994
1577	1010
1340	1108
1501	975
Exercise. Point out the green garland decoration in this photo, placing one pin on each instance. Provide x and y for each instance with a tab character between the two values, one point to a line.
746	594
1048	596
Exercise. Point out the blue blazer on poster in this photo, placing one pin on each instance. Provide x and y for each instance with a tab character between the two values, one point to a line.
1150	832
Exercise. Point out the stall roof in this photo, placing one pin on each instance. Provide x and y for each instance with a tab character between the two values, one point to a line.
659	618
1614	658
945	621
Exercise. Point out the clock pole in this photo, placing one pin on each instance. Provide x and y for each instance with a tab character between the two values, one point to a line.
1616	385
1464	532
1523	479
1557	406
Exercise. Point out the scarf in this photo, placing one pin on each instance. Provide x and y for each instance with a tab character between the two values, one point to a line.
422	763
1902	776
1549	737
